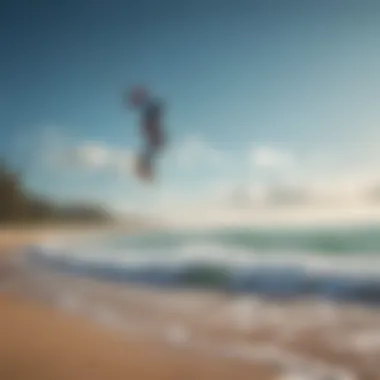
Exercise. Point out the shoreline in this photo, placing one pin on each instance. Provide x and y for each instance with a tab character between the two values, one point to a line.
340	278
190	334
40	341
290	337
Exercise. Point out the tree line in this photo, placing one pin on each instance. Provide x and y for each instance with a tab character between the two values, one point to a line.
18	205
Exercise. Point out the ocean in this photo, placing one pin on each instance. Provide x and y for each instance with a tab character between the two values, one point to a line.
302	300
335	262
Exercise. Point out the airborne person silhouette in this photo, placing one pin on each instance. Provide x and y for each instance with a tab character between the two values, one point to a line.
151	128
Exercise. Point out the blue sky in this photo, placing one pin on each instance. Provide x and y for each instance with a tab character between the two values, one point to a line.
299	79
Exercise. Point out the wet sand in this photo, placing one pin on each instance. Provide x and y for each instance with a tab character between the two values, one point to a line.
42	341
311	339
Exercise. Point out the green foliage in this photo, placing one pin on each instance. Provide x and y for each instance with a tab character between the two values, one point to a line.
19	205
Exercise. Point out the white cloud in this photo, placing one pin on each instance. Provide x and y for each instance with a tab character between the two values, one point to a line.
54	149
51	147
278	173
93	155
97	156
343	187
194	151
265	157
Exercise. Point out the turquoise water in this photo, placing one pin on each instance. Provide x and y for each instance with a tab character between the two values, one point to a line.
334	260
325	241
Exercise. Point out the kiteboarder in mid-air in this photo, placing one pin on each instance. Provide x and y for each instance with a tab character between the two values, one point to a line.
152	130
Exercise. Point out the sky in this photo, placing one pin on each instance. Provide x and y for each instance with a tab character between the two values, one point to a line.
256	94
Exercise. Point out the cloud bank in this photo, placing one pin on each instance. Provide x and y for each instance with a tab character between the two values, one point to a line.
260	176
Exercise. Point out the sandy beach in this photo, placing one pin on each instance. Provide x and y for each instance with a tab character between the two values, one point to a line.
40	341
58	326
311	339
